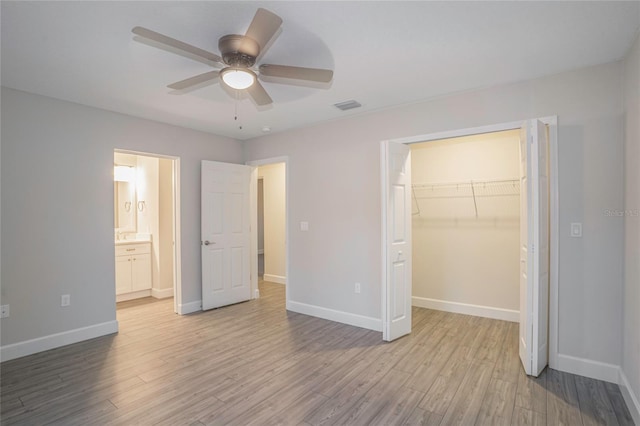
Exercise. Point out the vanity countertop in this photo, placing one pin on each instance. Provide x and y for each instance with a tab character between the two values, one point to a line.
124	242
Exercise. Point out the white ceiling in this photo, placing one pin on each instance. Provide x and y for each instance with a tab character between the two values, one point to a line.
383	53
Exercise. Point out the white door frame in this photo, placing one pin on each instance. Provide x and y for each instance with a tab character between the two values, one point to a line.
255	293
552	123
177	259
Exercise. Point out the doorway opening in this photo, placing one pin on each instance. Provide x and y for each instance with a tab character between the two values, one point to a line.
146	226
465	195
270	256
538	242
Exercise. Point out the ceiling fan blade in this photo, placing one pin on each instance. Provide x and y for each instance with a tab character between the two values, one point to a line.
264	26
296	73
176	44
258	94
193	81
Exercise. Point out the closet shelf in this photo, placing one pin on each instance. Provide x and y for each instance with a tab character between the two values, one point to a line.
465	189
480	188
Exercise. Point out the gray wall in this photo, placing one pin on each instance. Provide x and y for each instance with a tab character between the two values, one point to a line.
57	208
631	352
57	195
335	185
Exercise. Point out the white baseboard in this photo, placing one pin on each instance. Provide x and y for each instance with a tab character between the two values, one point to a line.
467	309
588	368
133	295
278	279
187	308
633	403
40	344
369	323
163	293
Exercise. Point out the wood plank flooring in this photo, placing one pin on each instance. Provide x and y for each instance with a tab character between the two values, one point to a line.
257	364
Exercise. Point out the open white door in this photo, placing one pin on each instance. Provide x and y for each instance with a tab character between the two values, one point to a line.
396	223
226	234
534	247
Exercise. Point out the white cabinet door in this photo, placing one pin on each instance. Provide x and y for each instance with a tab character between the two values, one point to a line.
534	247
123	274
226	234
397	257
141	272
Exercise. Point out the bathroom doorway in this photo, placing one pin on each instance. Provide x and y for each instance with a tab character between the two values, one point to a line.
146	226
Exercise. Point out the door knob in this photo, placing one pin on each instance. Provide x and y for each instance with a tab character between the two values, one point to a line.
207	242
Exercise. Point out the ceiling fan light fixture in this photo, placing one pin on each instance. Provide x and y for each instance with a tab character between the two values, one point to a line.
238	78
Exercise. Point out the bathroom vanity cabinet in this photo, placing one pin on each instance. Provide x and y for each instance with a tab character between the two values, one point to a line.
133	270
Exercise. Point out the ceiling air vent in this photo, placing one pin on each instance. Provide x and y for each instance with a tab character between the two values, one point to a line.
347	105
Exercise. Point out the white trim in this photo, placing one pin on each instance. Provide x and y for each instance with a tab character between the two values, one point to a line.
588	368
633	403
278	279
448	134
177	238
133	295
190	307
554	240
254	220
260	251
40	344
466	309
384	152
369	323
164	293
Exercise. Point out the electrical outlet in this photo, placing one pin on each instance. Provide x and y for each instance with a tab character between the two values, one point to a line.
65	300
4	311
357	288
576	230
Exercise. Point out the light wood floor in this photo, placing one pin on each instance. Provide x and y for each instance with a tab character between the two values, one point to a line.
254	363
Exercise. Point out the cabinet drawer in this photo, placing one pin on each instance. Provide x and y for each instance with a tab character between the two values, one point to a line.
129	249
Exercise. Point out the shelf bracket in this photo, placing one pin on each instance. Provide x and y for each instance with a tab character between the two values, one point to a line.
475	204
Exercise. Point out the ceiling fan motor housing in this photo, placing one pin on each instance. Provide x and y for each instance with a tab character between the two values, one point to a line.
238	50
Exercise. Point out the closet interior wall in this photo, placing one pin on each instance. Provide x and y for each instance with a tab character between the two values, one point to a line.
466	217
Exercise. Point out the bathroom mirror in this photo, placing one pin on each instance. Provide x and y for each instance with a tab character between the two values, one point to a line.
125	206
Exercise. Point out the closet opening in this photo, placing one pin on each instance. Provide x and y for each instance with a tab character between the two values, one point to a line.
146	228
465	199
481	213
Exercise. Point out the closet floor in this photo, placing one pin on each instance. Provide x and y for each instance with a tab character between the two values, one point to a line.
256	363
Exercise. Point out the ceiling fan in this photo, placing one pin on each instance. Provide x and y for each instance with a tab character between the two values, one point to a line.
239	54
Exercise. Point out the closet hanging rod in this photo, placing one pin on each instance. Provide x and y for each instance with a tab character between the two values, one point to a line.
463	183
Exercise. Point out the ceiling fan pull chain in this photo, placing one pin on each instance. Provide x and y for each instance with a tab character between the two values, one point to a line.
237	100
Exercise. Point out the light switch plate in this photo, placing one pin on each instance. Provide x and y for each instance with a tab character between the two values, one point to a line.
576	230
304	226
